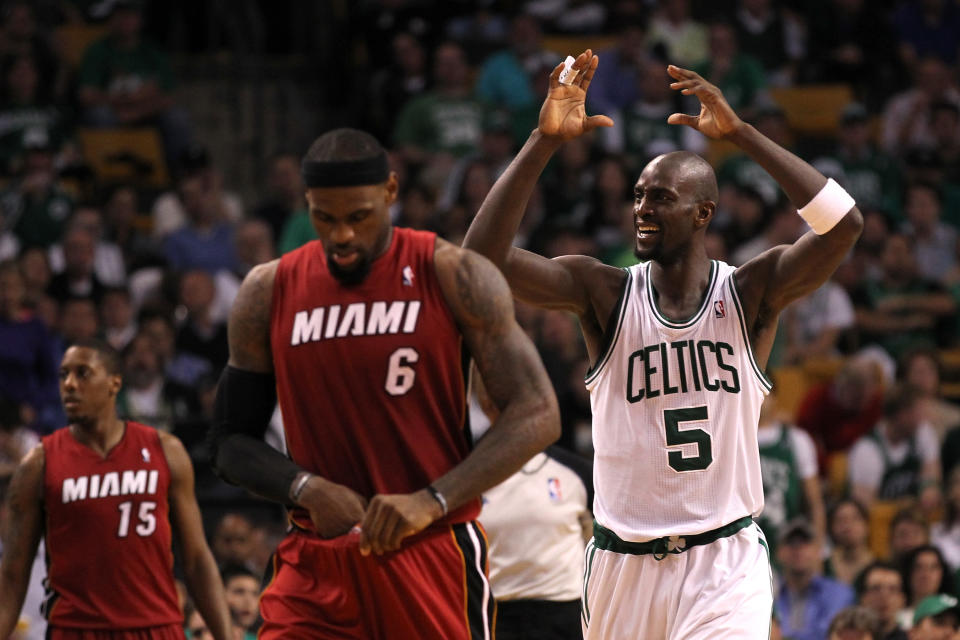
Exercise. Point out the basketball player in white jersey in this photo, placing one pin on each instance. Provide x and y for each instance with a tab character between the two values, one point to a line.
679	344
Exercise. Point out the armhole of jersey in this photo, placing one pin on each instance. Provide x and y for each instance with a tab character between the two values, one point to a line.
762	378
612	331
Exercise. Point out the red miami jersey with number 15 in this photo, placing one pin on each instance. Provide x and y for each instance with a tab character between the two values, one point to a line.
371	378
107	536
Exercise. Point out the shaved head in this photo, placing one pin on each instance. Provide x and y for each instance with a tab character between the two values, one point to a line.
692	174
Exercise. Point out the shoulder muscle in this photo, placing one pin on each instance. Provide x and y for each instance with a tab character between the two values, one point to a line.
249	326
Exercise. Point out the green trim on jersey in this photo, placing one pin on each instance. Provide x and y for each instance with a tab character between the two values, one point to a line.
761	376
589	553
703	303
612	337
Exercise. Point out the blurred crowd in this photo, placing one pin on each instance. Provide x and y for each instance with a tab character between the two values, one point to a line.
868	452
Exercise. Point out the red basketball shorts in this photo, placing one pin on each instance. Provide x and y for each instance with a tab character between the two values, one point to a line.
435	586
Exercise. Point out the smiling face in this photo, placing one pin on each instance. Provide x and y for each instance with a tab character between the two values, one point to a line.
672	204
353	224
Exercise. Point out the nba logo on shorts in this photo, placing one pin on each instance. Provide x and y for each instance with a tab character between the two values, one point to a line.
553	489
718	309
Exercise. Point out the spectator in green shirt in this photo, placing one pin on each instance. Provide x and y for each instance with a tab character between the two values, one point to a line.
126	81
445	121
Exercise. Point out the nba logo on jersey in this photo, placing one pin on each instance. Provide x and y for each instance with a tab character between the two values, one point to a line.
553	489
145	454
408	276
718	309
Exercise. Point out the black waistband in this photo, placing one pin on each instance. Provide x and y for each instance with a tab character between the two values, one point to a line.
607	540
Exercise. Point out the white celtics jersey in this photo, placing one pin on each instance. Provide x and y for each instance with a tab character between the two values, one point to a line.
675	412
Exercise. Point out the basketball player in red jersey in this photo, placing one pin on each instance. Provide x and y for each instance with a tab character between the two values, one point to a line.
102	492
365	335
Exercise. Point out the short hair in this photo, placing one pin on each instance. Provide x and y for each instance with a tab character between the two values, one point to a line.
344	145
108	355
856	619
232	570
860	582
861	509
906	360
900	397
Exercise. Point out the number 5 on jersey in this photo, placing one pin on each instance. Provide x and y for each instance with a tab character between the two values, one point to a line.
400	372
672	418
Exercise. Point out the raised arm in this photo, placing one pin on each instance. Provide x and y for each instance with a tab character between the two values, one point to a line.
199	567
516	381
246	398
549	283
772	280
22	528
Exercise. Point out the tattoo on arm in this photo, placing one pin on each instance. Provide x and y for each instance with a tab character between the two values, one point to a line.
248	330
22	529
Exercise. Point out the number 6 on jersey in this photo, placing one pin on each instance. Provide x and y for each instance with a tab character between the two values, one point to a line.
400	373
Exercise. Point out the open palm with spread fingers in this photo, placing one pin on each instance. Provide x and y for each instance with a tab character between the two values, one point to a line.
563	114
717	119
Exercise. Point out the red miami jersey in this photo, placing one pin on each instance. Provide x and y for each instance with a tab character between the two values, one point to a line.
108	538
371	378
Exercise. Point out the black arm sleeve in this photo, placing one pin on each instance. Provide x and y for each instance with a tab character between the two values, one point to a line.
244	404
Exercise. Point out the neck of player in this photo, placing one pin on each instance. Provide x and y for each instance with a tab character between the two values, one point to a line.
101	434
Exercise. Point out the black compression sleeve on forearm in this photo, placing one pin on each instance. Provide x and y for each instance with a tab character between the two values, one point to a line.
244	404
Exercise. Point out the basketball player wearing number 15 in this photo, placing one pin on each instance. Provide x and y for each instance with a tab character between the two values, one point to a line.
679	344
103	493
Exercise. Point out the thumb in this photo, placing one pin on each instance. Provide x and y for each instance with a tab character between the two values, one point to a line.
682	118
597	121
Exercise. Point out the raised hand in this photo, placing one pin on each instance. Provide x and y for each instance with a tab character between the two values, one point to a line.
563	114
717	119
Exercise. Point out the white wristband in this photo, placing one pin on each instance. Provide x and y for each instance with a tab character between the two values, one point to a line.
827	208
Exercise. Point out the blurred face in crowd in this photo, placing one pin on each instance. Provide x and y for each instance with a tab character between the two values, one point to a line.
883	593
654	82
243	593
409	54
234	541
79	252
723	41
353	224
903	424
923	374
141	364
285	178
161	336
940	627
926	573
525	34
115	310
19	23
848	528
11	291
197	292
799	556
197	628
23	79
907	535
122	207
35	269
78	320
450	68
254	242
125	23
897	258
922	208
